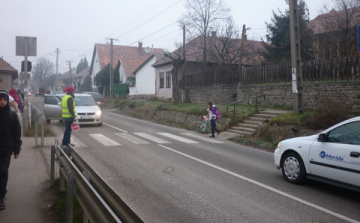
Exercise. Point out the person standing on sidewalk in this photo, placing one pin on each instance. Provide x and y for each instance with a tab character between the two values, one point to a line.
212	117
68	113
10	142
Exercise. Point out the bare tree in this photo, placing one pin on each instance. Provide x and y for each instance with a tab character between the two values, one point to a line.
49	81
202	17
337	32
42	69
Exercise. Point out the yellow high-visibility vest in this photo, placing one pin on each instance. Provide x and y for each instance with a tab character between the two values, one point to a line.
65	108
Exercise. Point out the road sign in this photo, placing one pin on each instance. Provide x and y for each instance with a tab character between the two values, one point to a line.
24	75
75	126
20	46
294	85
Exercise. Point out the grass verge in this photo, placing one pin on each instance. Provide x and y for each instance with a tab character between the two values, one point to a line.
60	204
147	109
31	131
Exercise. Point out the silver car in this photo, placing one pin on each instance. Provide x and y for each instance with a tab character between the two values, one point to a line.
88	111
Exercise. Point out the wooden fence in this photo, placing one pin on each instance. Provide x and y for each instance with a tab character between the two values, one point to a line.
314	70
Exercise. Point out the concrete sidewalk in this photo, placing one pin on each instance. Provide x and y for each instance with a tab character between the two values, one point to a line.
29	176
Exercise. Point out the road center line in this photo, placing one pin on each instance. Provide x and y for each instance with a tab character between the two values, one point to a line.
115	127
265	186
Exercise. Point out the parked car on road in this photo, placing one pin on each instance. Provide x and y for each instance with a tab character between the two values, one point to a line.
88	111
332	156
98	98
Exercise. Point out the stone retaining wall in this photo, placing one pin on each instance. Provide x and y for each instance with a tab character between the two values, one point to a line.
279	94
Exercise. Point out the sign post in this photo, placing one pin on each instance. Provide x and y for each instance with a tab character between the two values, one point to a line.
25	46
359	38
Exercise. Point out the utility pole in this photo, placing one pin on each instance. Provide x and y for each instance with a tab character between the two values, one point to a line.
57	66
57	60
111	64
296	71
242	47
70	72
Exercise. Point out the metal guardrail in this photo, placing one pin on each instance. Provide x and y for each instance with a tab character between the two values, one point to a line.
36	118
247	99
97	198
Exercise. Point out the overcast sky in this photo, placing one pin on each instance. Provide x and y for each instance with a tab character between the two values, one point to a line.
74	26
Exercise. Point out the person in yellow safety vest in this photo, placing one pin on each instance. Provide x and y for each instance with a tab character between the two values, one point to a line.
68	113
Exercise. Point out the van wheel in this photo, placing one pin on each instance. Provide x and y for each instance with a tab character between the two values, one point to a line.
99	124
48	121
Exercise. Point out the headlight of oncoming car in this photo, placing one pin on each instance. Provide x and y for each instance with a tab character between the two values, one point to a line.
98	112
278	146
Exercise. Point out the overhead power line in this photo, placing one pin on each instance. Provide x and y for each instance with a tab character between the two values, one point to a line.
159	14
136	18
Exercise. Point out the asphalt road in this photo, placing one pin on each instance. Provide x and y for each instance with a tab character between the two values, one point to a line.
169	174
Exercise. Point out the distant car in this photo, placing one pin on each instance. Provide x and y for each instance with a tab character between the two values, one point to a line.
88	111
332	156
47	91
98	98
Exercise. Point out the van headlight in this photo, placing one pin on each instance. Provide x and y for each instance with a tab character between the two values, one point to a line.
98	112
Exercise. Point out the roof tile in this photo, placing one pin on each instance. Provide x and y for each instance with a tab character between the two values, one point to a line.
131	57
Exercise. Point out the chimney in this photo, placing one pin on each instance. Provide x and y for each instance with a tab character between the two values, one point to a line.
213	33
140	45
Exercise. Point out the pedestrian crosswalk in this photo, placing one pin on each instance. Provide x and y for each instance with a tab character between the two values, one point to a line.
140	138
104	140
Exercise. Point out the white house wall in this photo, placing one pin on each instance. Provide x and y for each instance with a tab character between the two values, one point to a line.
96	69
163	93
6	82
145	80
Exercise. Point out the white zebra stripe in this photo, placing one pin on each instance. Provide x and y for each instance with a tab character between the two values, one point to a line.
104	140
179	138
151	138
77	142
131	138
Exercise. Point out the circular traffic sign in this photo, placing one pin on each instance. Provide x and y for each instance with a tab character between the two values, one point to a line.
75	126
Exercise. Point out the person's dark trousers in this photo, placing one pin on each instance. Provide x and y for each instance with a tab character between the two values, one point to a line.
4	174
67	133
213	127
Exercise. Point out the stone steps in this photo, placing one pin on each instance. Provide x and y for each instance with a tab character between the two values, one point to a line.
249	126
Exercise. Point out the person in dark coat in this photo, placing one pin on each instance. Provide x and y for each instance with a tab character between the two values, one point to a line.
10	142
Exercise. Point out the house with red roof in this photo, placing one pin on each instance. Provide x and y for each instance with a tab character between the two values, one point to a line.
144	87
221	52
336	33
7	75
129	58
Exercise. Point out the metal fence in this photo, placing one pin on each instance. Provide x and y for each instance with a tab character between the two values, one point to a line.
98	200
36	118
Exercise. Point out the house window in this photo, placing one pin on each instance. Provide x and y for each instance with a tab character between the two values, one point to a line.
161	80
168	79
